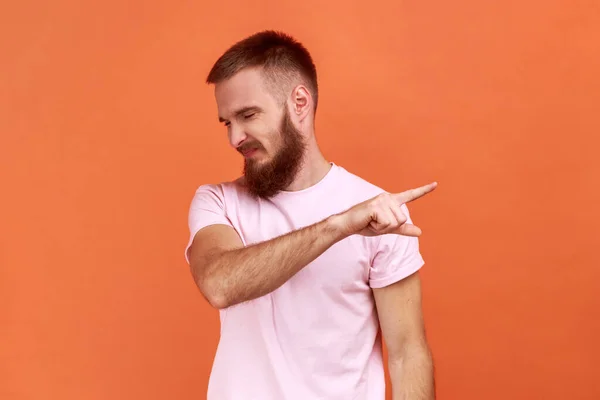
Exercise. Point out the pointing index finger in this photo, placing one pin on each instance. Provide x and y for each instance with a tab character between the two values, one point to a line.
413	194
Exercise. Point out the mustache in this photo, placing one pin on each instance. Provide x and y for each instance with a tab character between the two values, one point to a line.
248	146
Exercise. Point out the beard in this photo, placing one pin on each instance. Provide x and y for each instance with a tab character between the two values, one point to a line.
266	179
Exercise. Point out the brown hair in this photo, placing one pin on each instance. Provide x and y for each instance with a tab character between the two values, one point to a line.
283	59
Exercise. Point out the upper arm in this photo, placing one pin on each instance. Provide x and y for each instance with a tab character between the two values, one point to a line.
209	227
211	240
396	285
400	314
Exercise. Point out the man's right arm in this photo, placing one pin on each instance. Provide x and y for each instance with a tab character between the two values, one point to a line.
228	273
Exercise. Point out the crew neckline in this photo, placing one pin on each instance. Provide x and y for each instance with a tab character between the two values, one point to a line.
316	186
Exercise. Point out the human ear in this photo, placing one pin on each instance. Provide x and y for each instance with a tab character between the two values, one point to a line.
301	101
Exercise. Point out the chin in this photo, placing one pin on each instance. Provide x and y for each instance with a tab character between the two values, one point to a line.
260	157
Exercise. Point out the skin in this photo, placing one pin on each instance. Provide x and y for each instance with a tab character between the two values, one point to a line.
248	89
228	273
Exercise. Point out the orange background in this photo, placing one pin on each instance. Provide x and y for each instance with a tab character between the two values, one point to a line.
107	128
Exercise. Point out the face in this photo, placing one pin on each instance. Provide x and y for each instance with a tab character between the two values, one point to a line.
262	131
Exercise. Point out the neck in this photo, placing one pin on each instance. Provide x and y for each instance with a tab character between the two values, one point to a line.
314	168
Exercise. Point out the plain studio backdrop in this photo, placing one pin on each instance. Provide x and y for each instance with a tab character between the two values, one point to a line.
107	129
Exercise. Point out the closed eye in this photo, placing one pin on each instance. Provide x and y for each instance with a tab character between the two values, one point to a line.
248	116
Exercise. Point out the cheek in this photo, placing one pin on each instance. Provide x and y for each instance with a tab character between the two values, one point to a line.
267	139
255	131
273	144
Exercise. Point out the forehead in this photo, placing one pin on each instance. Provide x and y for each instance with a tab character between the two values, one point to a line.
244	89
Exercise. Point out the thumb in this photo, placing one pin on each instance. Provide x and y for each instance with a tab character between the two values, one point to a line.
408	230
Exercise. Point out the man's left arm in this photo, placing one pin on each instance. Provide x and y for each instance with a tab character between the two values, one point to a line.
409	357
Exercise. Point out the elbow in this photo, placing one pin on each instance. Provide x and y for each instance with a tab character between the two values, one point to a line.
216	300
210	288
213	293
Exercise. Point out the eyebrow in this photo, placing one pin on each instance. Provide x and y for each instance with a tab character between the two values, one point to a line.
241	111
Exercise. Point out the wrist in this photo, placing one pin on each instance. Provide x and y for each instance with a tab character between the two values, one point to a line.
336	227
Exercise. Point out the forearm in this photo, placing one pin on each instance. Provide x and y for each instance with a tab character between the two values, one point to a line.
412	374
247	273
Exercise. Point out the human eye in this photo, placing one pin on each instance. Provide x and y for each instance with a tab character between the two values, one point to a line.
249	115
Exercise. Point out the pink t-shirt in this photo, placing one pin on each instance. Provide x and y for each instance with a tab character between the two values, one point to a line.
316	336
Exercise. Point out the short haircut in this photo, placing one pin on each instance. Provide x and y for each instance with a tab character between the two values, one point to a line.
283	59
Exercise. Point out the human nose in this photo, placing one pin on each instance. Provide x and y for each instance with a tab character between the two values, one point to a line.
236	135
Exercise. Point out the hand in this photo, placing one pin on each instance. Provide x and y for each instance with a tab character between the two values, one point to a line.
382	214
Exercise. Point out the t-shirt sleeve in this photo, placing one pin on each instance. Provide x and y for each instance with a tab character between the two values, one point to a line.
207	208
396	257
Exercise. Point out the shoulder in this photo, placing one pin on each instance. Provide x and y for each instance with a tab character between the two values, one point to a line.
221	188
220	194
359	188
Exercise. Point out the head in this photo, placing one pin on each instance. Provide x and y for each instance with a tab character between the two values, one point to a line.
266	93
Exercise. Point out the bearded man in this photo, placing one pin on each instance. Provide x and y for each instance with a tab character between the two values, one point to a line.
305	261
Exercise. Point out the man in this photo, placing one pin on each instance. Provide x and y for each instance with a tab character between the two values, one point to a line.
304	260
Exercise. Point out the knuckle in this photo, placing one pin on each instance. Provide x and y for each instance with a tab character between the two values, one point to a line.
402	218
383	197
373	206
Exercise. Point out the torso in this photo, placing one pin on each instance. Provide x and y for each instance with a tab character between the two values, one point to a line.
316	335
